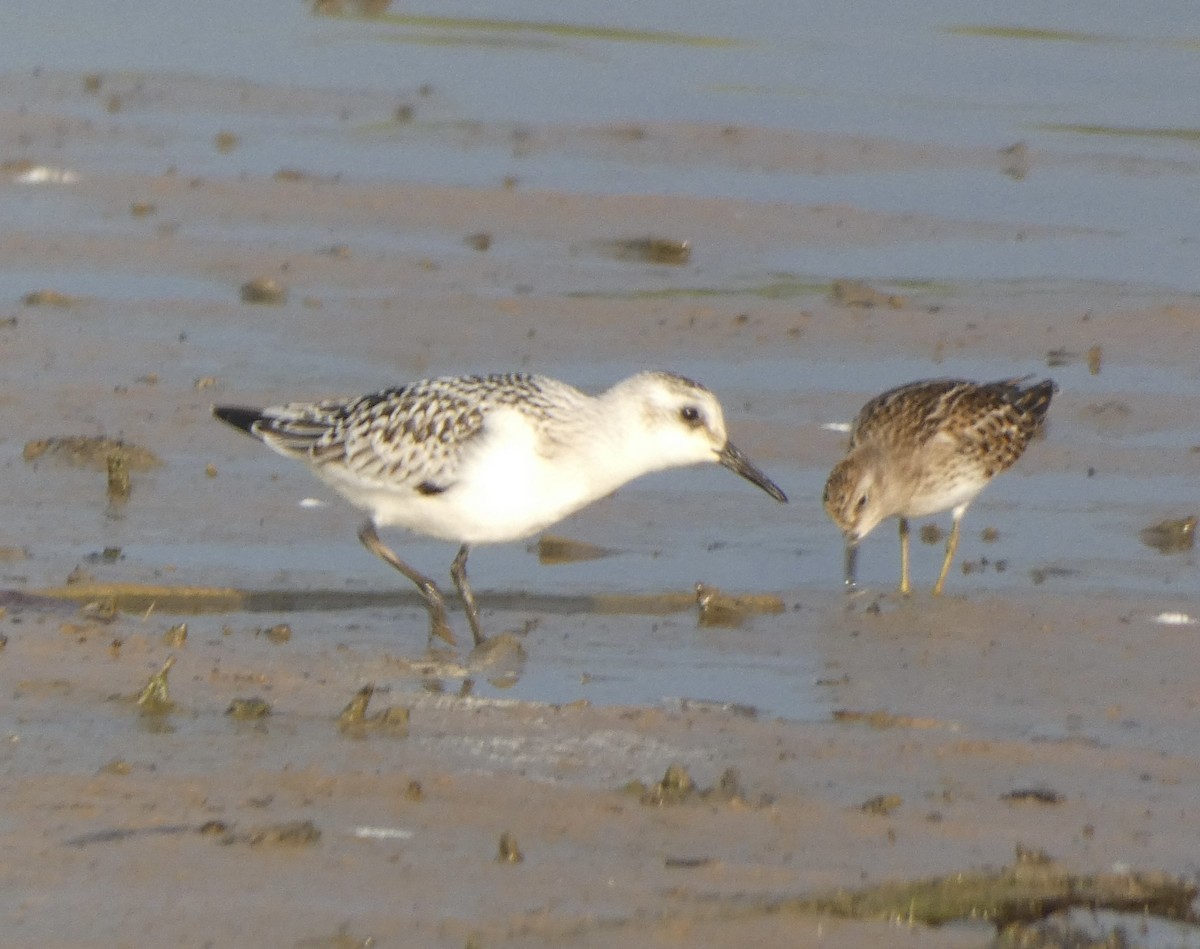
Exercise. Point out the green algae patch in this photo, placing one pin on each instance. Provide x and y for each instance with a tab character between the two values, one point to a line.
781	288
1031	33
1032	889
777	290
542	27
141	597
138	598
1123	131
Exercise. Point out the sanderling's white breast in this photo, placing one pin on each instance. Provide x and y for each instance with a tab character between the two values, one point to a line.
486	459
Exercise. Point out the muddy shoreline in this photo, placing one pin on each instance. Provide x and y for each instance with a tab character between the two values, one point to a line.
1048	706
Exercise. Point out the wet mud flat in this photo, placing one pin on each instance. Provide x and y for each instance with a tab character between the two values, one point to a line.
1034	728
250	768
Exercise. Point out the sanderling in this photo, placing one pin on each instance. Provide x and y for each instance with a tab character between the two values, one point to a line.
487	459
927	447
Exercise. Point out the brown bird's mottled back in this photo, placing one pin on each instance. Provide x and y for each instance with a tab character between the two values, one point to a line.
926	447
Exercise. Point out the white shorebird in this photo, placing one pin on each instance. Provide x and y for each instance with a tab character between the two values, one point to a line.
487	459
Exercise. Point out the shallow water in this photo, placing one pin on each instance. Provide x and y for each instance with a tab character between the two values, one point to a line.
1102	97
1107	88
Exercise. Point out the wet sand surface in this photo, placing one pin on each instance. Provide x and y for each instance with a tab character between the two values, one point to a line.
1048	702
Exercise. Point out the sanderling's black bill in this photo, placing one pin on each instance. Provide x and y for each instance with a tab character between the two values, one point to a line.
738	463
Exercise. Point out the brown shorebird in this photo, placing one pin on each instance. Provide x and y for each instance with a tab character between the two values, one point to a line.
927	447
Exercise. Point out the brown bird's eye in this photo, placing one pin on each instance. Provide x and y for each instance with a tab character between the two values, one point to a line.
690	414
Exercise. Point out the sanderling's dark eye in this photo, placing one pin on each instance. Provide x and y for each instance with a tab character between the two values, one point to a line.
690	415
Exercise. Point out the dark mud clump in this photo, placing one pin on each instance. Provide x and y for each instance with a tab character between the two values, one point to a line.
51	298
155	697
722	610
1171	536
509	850
677	787
651	250
355	722
84	451
248	710
553	549
860	295
264	290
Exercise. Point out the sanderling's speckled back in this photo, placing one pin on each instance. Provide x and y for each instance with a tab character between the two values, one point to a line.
486	459
926	447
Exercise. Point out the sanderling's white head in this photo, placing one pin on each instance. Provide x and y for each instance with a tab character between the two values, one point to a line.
681	422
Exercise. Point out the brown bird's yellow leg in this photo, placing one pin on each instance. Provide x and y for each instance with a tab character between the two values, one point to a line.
951	547
434	601
904	588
